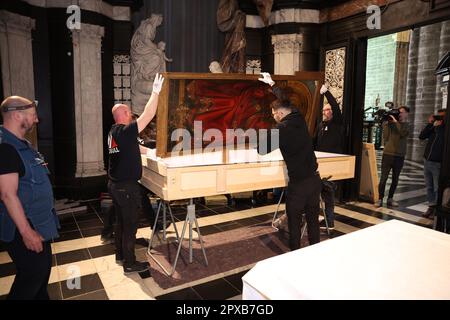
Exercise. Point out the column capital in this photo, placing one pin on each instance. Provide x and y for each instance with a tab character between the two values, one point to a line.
16	23
287	43
88	32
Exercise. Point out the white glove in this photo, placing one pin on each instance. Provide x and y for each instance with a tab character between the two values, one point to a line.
266	78
157	83
323	89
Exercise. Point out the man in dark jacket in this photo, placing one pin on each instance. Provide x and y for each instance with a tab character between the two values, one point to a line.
435	133
303	190
395	137
329	137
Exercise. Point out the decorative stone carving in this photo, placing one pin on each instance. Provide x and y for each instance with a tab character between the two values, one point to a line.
253	66
287	50
146	61
122	82
88	99
335	72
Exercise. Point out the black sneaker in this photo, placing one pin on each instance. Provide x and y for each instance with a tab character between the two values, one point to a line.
107	238
136	267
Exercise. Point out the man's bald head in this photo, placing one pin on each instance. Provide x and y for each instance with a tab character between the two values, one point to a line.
19	115
121	113
14	104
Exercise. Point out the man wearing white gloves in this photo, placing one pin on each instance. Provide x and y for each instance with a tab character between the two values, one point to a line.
303	190
125	169
329	137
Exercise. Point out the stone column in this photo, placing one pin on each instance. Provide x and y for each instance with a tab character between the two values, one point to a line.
286	51
425	85
444	47
17	57
88	99
401	67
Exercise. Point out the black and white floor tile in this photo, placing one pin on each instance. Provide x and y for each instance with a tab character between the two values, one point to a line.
79	252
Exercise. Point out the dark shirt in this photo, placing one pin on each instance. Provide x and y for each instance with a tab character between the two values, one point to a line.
10	161
124	155
329	135
296	147
434	149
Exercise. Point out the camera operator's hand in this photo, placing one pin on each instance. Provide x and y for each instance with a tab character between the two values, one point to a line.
437	123
393	119
431	119
323	89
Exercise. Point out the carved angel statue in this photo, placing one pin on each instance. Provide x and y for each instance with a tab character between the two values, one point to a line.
146	62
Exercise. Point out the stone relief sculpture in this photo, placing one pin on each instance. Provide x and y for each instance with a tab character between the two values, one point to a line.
147	59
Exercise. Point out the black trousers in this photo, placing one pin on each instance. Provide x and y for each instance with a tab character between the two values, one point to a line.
303	197
389	162
146	207
33	270
127	197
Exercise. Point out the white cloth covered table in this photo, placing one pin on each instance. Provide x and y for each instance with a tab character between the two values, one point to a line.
391	260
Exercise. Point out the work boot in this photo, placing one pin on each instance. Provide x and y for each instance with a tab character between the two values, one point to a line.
392	203
429	213
136	267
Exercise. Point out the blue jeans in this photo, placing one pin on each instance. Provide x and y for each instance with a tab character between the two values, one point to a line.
431	171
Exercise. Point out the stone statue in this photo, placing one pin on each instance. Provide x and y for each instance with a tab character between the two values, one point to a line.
231	20
146	62
162	55
215	67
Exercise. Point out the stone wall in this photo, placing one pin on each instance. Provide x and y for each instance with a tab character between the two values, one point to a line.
424	96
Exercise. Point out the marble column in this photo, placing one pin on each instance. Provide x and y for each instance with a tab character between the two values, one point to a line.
88	99
286	52
16	57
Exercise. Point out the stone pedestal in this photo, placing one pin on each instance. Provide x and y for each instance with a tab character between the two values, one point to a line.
17	57
287	52
88	100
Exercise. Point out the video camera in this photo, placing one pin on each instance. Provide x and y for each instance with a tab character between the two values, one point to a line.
438	117
383	115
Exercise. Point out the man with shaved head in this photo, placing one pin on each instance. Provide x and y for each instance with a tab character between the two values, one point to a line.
125	169
28	221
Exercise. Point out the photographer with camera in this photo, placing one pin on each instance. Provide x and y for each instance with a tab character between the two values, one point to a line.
434	131
395	134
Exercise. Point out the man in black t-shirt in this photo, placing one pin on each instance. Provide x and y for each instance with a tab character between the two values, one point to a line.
125	169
